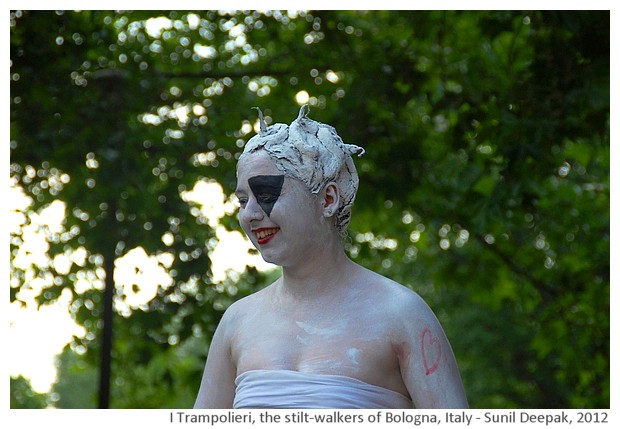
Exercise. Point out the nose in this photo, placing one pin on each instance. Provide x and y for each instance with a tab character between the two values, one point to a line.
251	212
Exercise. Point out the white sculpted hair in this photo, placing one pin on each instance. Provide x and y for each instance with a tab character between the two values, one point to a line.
313	153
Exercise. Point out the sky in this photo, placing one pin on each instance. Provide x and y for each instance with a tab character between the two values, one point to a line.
37	335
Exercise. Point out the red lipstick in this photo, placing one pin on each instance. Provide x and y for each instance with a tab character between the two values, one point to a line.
265	235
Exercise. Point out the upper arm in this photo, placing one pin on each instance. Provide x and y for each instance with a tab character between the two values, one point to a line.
217	388
428	365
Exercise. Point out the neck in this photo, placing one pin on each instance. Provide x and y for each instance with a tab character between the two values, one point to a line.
322	272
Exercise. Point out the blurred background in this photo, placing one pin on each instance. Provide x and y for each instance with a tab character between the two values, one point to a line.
485	188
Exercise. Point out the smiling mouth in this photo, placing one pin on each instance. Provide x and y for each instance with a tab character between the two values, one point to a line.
266	234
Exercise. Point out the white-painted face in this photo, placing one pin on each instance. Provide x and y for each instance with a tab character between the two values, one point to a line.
313	153
281	217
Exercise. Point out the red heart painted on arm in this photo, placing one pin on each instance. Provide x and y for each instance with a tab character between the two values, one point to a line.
431	351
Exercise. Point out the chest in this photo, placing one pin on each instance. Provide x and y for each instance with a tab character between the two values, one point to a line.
342	344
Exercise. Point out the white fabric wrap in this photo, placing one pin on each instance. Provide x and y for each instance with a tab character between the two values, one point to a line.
292	389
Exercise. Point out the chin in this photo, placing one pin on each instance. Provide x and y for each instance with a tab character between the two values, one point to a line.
271	258
271	261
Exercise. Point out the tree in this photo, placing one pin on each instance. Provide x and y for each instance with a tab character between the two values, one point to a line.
22	395
76	385
485	184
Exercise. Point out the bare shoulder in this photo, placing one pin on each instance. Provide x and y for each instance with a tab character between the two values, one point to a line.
409	318
239	310
427	363
401	300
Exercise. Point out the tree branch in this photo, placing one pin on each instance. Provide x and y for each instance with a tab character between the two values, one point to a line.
547	290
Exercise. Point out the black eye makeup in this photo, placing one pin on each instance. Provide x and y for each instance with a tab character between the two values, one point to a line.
266	190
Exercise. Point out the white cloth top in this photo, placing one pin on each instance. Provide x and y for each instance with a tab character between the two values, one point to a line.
293	389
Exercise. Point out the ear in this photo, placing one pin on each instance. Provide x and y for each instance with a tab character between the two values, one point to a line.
330	199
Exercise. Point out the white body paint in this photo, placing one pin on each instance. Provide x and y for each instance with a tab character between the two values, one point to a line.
354	354
326	314
324	333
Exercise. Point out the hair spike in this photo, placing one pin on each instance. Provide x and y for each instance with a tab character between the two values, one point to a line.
303	111
261	121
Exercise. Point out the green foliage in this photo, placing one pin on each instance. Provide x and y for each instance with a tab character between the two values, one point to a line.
76	385
485	184
22	395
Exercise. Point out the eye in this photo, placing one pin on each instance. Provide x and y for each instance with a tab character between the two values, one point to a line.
267	198
242	201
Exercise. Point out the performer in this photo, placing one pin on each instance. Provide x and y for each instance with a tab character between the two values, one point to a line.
328	333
